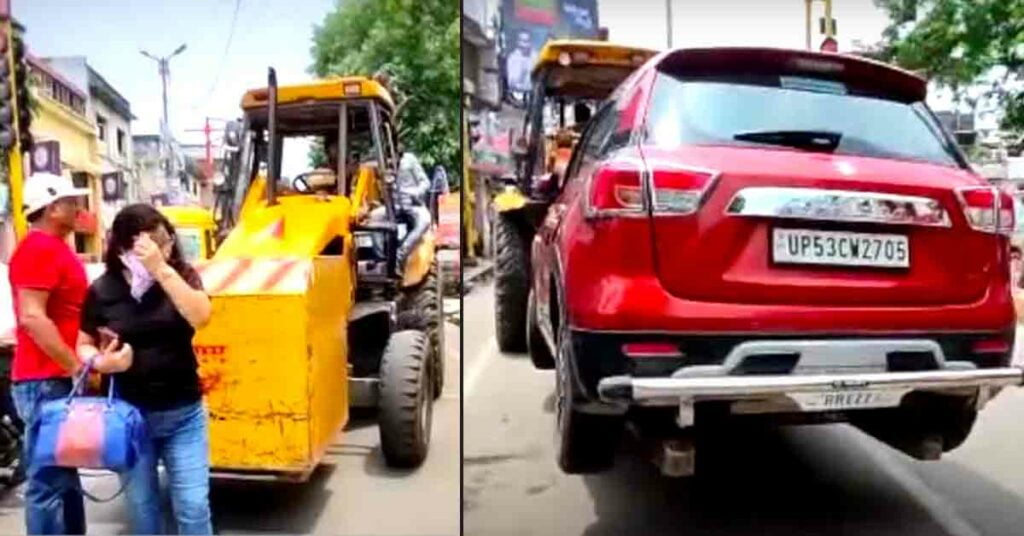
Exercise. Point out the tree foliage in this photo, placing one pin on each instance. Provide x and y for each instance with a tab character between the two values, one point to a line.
417	43
959	44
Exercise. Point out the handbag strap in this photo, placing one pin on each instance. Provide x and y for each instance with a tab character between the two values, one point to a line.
101	500
76	388
124	483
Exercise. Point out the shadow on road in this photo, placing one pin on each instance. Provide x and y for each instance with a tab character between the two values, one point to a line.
801	480
270	507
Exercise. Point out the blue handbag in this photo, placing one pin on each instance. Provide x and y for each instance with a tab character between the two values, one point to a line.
87	432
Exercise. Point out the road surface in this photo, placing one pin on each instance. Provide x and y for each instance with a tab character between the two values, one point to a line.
353	492
797	480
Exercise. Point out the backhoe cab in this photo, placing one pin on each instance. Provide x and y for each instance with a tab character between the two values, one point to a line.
313	311
570	79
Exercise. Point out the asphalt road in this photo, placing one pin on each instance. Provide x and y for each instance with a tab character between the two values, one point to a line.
353	492
797	480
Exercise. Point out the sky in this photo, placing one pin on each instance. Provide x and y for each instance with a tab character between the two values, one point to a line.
778	23
204	81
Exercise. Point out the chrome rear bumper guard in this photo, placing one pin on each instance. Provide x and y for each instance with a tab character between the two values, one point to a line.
685	391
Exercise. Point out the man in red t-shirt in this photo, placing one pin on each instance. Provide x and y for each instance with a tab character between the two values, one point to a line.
49	284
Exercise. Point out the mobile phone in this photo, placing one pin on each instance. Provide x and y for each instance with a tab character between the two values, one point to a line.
106	335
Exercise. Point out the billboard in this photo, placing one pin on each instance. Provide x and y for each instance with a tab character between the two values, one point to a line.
528	24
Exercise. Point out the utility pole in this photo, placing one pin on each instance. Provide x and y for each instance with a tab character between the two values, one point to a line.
165	130
668	21
807	21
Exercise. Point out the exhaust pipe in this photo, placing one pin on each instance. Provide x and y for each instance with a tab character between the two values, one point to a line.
272	164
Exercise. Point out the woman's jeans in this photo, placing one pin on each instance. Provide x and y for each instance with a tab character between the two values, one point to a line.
53	496
180	438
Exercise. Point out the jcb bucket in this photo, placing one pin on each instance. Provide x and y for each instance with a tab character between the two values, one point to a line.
273	362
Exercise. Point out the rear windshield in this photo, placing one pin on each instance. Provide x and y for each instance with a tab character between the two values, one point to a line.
713	112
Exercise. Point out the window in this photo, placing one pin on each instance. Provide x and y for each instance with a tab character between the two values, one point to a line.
120	142
718	111
101	125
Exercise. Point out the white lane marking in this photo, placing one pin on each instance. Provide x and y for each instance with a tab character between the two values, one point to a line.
938	507
479	365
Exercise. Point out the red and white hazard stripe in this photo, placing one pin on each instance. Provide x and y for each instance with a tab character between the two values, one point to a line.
255	276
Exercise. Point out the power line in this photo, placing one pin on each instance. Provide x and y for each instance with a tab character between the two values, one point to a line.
223	57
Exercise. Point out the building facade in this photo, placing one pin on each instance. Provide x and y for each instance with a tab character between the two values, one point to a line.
62	125
111	115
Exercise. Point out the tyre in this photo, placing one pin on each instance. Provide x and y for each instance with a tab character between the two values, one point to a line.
537	347
424	302
511	284
585	443
406	404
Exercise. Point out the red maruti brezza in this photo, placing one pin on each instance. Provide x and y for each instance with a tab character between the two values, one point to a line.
773	233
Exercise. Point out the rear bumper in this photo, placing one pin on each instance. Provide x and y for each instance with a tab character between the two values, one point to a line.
639	303
673	390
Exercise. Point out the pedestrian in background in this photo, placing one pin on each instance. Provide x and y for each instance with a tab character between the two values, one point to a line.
150	297
49	284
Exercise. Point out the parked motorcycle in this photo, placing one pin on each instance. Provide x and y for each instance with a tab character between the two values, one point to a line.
12	470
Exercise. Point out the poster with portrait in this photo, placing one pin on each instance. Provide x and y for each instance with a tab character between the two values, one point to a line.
527	25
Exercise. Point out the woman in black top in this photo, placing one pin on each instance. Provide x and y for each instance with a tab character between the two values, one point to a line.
153	300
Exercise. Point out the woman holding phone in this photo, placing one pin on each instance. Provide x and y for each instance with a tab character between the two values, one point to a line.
150	298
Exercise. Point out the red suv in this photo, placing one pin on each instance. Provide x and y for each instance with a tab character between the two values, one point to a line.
761	233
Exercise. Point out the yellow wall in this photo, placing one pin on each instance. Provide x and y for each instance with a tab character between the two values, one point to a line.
78	149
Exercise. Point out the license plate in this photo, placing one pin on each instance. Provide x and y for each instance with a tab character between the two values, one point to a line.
847	399
805	246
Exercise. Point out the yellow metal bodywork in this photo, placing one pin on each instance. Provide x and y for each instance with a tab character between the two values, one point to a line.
336	88
509	199
597	53
274	370
273	360
417	266
297	226
195	227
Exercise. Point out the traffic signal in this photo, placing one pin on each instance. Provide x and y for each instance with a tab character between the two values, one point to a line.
21	83
7	124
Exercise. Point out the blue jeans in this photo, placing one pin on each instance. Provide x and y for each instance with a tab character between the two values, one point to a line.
180	438
53	497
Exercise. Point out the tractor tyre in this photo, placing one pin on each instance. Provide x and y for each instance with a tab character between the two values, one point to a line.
406	406
424	303
511	285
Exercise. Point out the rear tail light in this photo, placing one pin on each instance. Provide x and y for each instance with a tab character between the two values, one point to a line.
679	190
650	349
987	209
616	188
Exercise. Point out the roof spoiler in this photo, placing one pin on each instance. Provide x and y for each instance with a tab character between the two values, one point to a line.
862	76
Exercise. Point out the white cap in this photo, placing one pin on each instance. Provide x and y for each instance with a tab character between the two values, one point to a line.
42	189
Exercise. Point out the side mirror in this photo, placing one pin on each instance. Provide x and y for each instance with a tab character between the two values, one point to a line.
232	134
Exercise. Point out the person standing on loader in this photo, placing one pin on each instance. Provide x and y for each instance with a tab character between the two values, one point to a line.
411	189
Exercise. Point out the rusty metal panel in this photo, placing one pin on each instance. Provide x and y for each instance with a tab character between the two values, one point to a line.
329	301
254	368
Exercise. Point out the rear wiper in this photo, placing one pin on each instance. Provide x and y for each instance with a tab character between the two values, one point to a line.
814	140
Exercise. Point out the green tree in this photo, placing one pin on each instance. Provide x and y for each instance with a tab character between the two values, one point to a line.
959	44
417	43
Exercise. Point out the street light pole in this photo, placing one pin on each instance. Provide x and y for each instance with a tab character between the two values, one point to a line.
165	131
807	21
668	21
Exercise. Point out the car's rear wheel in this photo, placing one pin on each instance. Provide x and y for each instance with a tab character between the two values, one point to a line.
537	347
511	285
586	442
